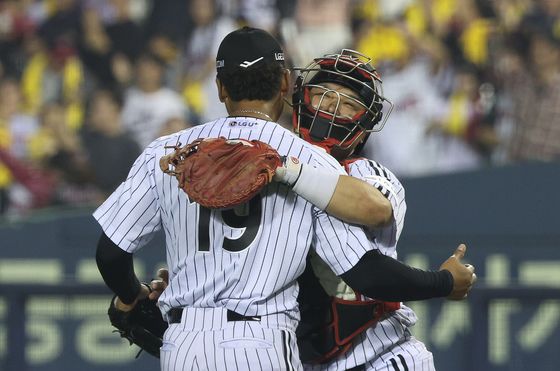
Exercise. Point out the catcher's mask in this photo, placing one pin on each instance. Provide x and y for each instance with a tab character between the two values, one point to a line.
319	116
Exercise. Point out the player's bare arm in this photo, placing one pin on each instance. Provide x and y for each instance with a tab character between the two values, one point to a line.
350	199
356	201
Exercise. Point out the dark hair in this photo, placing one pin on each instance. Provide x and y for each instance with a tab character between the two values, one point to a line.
152	57
112	94
261	83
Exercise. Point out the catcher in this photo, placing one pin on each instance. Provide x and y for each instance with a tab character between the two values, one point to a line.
337	103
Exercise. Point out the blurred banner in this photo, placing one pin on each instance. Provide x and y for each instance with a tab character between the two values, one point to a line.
53	304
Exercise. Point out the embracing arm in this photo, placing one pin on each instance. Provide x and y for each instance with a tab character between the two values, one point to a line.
358	202
381	277
347	198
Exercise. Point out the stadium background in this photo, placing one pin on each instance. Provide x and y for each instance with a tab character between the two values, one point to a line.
476	78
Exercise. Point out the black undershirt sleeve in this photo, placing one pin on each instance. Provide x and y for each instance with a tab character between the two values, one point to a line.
384	278
117	269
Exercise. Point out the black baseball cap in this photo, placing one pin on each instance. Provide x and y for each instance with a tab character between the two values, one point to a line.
248	48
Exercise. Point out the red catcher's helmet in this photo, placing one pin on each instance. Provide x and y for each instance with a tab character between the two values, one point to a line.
329	130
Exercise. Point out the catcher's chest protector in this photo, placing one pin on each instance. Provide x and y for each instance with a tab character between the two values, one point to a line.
329	324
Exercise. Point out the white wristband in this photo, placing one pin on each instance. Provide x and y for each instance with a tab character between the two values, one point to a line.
316	185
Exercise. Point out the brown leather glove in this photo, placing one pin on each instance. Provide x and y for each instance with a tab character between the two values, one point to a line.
221	173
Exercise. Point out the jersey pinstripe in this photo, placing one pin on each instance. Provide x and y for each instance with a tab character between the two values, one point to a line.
245	260
389	342
387	183
206	340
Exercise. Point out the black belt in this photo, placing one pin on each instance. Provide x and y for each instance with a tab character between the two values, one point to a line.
175	315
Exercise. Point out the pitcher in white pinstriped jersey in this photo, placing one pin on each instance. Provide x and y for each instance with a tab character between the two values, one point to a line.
231	300
337	103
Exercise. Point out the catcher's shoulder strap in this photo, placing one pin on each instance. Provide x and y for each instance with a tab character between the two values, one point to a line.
329	323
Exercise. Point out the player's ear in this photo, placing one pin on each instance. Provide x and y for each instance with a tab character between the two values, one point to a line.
285	83
222	92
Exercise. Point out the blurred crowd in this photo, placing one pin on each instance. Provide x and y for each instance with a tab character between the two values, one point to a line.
86	84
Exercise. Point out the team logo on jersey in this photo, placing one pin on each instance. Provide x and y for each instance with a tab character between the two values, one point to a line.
243	123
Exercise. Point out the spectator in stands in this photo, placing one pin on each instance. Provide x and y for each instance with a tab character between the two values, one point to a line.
317	28
464	135
409	82
199	58
16	126
58	149
55	142
60	52
534	89
103	46
16	129
260	13
542	16
149	104
174	125
167	50
16	26
167	18
110	150
54	73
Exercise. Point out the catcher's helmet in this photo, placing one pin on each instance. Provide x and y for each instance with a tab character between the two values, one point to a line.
330	128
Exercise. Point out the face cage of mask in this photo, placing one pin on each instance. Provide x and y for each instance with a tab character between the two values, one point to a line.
331	128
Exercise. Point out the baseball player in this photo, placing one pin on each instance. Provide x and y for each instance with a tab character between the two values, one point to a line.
337	102
231	302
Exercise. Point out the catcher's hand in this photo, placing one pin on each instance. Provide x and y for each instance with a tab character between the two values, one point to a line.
142	324
222	173
463	274
159	284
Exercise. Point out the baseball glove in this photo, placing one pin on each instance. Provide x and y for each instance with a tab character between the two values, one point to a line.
221	173
143	325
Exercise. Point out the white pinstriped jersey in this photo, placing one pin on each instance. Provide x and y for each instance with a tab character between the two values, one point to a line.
245	260
389	340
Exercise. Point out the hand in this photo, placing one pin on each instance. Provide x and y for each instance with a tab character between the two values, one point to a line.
144	292
463	274
160	284
289	171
